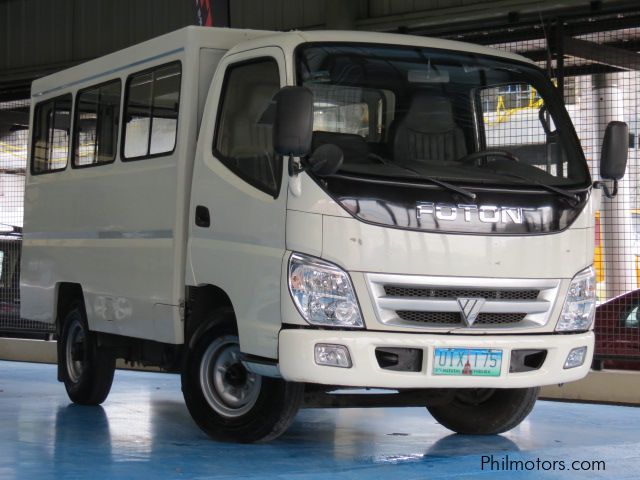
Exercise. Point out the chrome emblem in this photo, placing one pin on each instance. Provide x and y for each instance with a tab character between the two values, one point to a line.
470	309
484	213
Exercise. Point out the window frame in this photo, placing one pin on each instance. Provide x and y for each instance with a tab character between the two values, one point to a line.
76	113
123	126
224	160
32	170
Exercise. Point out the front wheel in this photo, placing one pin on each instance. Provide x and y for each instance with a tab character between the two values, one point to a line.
227	401
485	411
85	368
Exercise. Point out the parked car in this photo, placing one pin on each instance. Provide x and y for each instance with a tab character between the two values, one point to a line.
618	333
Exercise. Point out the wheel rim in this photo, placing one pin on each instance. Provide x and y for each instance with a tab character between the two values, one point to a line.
229	388
74	351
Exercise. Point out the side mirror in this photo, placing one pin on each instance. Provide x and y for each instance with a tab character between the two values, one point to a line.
325	160
615	148
293	125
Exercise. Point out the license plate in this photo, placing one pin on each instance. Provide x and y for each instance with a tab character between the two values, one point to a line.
474	362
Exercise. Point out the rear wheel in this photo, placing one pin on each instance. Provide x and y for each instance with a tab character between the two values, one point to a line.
485	411
85	368
227	401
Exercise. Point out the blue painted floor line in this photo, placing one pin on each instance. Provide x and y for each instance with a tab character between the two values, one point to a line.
144	431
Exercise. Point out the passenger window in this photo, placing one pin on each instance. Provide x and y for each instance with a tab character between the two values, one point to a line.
96	126
52	122
151	114
630	319
243	140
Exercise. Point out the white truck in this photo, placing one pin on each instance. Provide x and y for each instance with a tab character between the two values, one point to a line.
280	216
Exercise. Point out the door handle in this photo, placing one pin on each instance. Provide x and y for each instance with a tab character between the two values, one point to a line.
203	219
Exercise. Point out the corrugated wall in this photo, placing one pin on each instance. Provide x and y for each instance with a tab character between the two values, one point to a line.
37	35
380	8
277	14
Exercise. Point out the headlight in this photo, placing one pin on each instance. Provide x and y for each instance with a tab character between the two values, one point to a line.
580	305
323	293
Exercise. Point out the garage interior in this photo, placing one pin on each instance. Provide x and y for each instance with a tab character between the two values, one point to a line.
591	51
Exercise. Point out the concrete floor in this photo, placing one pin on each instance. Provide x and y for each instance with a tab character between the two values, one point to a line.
143	430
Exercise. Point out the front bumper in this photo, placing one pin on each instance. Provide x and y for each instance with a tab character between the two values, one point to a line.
296	359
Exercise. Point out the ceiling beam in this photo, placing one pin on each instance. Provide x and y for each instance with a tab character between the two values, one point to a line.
602	54
493	13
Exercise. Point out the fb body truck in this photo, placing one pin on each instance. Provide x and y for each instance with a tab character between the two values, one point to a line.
280	217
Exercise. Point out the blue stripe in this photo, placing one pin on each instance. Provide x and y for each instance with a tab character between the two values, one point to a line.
109	72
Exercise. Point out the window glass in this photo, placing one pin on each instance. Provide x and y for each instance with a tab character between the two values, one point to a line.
151	118
397	112
166	90
350	110
515	119
138	116
96	130
52	122
244	140
631	318
340	109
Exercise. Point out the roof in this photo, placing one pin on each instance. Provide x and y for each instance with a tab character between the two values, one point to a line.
290	40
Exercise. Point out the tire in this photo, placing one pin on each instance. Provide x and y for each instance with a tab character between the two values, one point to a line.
228	402
485	411
85	369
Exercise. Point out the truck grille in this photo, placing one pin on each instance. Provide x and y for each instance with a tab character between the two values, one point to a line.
434	302
400	291
453	318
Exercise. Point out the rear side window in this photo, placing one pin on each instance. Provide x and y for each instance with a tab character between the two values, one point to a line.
243	140
51	126
96	125
151	112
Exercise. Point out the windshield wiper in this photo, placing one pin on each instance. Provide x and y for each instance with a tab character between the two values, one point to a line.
551	188
435	181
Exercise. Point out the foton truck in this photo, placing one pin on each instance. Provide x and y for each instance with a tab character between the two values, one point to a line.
274	214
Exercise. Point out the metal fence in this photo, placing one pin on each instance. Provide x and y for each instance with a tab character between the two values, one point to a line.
14	132
593	61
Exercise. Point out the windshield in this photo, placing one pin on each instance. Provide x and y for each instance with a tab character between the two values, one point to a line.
404	112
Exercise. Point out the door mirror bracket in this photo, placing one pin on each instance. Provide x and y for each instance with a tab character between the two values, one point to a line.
605	188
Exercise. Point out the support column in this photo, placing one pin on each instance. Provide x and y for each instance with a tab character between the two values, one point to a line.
617	227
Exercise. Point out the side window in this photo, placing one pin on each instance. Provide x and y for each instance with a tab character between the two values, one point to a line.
630	318
96	125
243	140
51	125
151	112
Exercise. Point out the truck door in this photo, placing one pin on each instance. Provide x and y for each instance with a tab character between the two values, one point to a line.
238	204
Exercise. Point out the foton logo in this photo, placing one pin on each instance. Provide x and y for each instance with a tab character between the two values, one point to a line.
484	213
